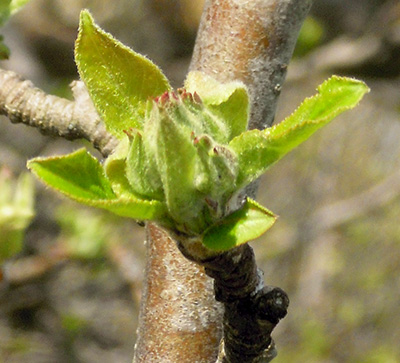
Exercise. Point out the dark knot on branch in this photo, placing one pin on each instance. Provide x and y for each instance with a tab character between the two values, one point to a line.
271	304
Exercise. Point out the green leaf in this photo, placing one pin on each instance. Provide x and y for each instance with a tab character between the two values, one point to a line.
229	101
115	169
216	172
176	159
257	150
142	174
132	208
242	226
119	81
80	177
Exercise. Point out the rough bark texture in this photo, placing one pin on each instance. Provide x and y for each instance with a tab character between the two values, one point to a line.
23	103
179	319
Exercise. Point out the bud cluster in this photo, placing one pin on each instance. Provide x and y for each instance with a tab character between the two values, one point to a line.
181	158
182	155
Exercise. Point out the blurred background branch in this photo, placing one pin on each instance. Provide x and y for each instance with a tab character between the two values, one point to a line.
23	103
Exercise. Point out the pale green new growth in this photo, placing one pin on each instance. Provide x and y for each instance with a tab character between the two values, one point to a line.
176	158
229	101
140	170
183	155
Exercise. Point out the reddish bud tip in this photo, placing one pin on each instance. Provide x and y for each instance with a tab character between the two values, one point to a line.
197	98
128	132
164	98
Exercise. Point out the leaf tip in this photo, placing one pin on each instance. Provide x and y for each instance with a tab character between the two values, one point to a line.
31	164
85	18
359	87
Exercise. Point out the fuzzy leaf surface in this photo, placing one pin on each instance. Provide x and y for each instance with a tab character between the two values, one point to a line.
257	150
176	159
141	173
119	80
229	101
115	169
242	226
80	177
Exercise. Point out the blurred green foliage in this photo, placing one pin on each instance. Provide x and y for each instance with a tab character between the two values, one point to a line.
7	9
311	35
15	346
84	233
16	212
73	324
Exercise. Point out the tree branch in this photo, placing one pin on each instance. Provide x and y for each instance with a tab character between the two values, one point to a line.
251	41
179	318
23	103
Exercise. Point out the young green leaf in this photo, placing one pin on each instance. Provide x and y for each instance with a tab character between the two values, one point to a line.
176	158
229	101
216	172
141	173
242	226
80	177
119	80
115	169
257	150
132	207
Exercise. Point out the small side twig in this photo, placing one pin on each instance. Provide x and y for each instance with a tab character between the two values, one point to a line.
23	103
